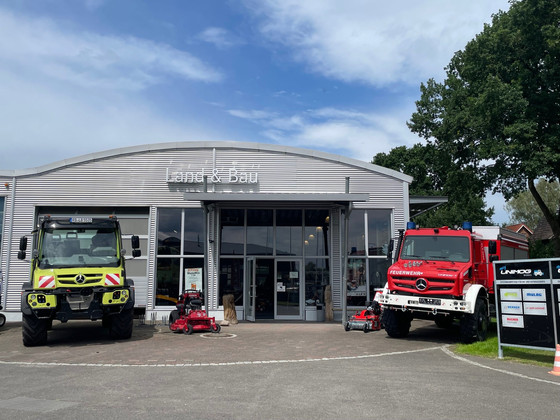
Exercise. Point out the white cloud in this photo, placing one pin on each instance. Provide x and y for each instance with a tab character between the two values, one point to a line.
40	48
374	42
351	133
220	38
46	124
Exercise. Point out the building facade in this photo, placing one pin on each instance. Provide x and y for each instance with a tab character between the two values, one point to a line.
277	227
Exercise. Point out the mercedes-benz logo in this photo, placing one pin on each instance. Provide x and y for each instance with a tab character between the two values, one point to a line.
80	278
421	284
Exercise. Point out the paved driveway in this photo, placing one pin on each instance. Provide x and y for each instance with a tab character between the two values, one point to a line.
264	371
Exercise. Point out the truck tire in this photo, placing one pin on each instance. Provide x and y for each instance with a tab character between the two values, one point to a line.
397	323
474	327
34	331
121	325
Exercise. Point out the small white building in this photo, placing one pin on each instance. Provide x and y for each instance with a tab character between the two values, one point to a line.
225	217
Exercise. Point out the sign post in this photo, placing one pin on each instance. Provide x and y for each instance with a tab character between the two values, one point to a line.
527	303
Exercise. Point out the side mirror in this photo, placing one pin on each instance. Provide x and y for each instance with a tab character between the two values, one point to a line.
22	247
492	247
135	240
390	248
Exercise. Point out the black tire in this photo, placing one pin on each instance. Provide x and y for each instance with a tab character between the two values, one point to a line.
34	331
474	327
188	330
173	316
216	328
121	325
397	323
444	321
347	326
2	320
365	328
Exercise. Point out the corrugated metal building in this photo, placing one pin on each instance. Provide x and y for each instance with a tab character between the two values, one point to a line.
269	224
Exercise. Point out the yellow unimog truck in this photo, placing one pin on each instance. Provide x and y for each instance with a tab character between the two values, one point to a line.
77	272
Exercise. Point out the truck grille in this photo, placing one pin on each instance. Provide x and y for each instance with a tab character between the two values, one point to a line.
434	284
70	279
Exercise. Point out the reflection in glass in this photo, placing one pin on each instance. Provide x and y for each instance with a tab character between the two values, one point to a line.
169	231
288	232
167	281
356	233
193	232
377	274
260	232
356	286
379	231
317	232
316	279
231	279
232	239
287	288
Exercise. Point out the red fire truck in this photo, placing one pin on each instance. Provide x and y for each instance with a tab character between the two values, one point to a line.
446	274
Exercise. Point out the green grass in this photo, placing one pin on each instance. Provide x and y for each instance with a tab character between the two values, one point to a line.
489	349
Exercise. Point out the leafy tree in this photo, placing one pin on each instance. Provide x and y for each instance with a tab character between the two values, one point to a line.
524	209
498	110
435	173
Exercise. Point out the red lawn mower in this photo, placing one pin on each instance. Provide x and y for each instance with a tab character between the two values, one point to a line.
189	316
366	320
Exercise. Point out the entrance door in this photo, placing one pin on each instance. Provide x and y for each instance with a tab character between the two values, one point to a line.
288	299
250	290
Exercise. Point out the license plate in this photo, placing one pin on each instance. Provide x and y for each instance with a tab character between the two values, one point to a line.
429	301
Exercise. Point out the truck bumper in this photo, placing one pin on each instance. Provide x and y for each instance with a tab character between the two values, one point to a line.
425	304
64	304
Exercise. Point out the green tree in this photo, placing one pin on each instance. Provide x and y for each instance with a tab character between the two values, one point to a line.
435	173
524	209
498	110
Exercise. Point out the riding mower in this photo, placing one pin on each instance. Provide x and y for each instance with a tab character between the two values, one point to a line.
189	316
368	319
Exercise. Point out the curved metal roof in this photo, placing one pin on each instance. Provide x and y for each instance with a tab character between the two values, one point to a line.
186	145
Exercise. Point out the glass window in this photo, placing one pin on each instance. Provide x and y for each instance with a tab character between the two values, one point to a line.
260	232
379	231
436	248
356	233
356	286
377	274
169	231
288	232
176	227
167	281
231	279
194	233
317	232
316	279
232	238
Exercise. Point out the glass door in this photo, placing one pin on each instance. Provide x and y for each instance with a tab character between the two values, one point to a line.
250	290
288	298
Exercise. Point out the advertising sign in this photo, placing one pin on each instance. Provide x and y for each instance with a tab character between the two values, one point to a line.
528	303
193	278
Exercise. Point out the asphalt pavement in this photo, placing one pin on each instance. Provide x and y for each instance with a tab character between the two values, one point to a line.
264	371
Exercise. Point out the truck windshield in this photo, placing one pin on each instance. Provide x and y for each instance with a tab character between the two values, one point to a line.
67	247
446	248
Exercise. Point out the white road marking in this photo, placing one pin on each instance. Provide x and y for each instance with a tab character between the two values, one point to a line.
249	362
507	372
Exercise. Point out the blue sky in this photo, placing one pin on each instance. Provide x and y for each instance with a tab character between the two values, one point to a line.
83	76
